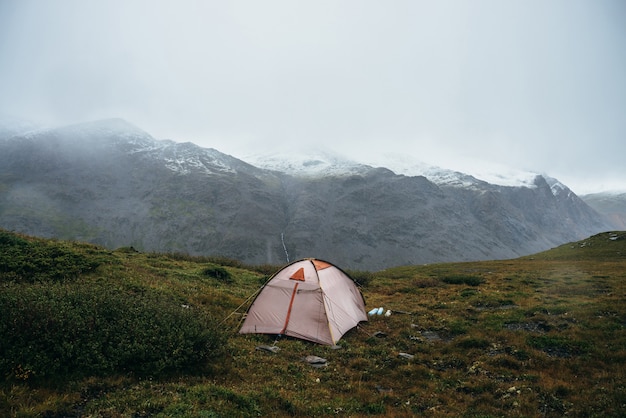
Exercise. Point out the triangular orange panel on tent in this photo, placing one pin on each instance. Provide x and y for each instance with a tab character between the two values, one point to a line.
298	275
321	265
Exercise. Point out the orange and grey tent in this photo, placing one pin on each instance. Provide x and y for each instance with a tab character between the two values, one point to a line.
308	299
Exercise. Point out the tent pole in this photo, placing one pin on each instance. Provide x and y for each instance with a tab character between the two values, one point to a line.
238	307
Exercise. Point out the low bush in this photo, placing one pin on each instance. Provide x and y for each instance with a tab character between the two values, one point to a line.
53	330
266	269
425	282
219	273
558	346
362	278
472	342
23	260
467	280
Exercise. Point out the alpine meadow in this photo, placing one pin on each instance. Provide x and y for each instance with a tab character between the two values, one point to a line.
93	332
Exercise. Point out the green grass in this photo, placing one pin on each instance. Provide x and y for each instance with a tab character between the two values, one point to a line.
92	332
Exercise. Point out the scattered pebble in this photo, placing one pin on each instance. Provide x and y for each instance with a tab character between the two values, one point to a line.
381	389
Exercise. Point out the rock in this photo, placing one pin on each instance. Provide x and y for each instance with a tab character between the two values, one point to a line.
316	361
381	389
431	336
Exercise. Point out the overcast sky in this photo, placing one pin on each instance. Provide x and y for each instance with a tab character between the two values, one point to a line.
536	85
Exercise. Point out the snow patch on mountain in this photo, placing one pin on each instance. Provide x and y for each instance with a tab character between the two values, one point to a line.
307	163
558	189
470	174
319	163
186	158
181	158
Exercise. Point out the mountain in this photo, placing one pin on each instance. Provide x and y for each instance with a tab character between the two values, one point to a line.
111	183
610	204
11	126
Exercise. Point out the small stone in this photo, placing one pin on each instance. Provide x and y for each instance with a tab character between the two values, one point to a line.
314	359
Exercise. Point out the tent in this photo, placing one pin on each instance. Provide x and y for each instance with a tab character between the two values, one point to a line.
308	299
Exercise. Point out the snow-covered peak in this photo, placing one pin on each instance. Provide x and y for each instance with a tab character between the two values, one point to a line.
558	189
318	163
469	174
307	163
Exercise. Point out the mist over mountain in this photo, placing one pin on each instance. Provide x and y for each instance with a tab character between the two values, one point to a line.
111	183
610	204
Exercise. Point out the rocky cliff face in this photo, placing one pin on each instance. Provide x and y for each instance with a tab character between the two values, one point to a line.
112	184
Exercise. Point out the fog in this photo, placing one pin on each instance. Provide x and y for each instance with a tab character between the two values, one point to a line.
535	85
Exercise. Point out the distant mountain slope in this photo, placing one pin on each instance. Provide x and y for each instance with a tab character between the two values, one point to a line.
111	183
611	205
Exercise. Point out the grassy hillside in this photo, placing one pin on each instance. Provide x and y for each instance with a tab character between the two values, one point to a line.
91	332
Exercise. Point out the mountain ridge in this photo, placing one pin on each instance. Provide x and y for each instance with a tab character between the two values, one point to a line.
112	183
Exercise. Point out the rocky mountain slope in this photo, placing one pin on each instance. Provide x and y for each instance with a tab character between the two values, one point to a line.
111	183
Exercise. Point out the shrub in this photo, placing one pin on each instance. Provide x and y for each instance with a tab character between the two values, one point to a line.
93	329
219	273
472	342
468	280
266	269
468	292
362	278
425	282
127	250
558	346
